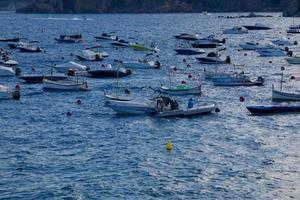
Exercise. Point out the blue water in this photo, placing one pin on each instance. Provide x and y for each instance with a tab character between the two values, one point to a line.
95	154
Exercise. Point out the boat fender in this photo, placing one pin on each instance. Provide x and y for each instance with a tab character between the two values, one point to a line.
169	146
242	99
17	71
217	110
293	77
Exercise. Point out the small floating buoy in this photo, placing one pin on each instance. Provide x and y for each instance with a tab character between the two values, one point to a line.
217	110
282	68
239	50
169	146
189	65
183	82
69	114
184	60
242	99
293	77
18	87
78	102
245	54
190	76
270	61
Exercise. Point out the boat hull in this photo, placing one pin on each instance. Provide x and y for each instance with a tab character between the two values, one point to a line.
284	96
195	91
108	73
59	86
34	79
131	107
263	110
189	52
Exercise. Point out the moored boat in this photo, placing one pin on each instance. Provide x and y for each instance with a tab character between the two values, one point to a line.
107	71
7	93
64	68
69	38
89	55
273	109
181	89
133	107
33	79
65	85
236	80
189	51
142	64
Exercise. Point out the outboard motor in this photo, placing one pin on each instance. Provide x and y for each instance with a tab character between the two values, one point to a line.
97	57
223	41
157	64
290	53
286	49
16	95
212	54
260	80
228	60
128	72
18	71
88	68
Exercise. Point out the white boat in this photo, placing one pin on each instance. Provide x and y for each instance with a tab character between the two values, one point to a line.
284	96
29	47
189	37
213	58
106	36
200	110
142	64
7	93
69	38
8	62
236	80
134	107
89	55
65	85
257	26
181	89
294	60
273	52
9	71
63	68
282	42
236	30
189	51
249	46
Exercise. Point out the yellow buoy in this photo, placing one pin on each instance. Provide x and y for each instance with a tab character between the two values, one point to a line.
169	146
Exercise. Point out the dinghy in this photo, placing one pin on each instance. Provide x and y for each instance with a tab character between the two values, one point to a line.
257	27
106	36
133	107
7	93
65	85
181	89
189	51
200	110
33	79
236	30
69	38
9	39
236	80
213	58
9	71
273	109
107	71
142	64
294	60
88	55
30	48
64	68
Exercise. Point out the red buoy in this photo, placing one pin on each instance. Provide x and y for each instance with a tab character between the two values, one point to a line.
78	102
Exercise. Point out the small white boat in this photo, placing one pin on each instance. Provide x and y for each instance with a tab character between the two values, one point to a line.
8	62
189	37
134	107
236	80
213	58
7	93
236	30
9	71
282	42
29	48
65	85
181	89
257	26
142	64
273	52
106	36
294	60
200	110
64	68
89	55
69	38
284	96
249	46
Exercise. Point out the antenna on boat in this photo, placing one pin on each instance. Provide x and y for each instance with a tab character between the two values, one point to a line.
281	81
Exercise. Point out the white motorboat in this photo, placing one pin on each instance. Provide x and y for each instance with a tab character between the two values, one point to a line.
7	93
236	30
133	107
294	60
284	96
89	55
7	61
65	85
64	68
189	51
282	42
257	26
106	36
29	48
236	80
181	89
200	110
69	38
213	58
9	71
142	64
272	52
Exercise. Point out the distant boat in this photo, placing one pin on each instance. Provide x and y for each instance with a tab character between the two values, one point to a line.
189	37
64	68
9	39
181	89
236	80
133	107
65	85
7	93
271	52
142	64
34	79
69	38
213	58
294	60
88	55
257	27
30	48
236	30
9	71
189	51
273	109
108	72
206	43
106	36
122	43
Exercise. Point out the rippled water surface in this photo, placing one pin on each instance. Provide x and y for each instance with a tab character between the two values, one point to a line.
95	154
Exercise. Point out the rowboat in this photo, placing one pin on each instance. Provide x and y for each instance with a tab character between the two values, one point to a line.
181	89
273	109
88	55
236	80
133	107
7	93
201	110
65	85
63	68
39	78
142	64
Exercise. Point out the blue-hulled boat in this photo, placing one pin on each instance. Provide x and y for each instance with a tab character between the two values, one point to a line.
273	109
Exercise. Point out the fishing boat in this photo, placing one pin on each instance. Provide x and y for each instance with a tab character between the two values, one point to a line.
213	58
142	64
272	52
9	71
273	109
106	36
7	93
189	51
65	85
69	38
236	80
133	107
189	37
257	27
89	55
200	110
9	39
34	79
107	71
30	48
294	60
64	68
236	30
181	89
